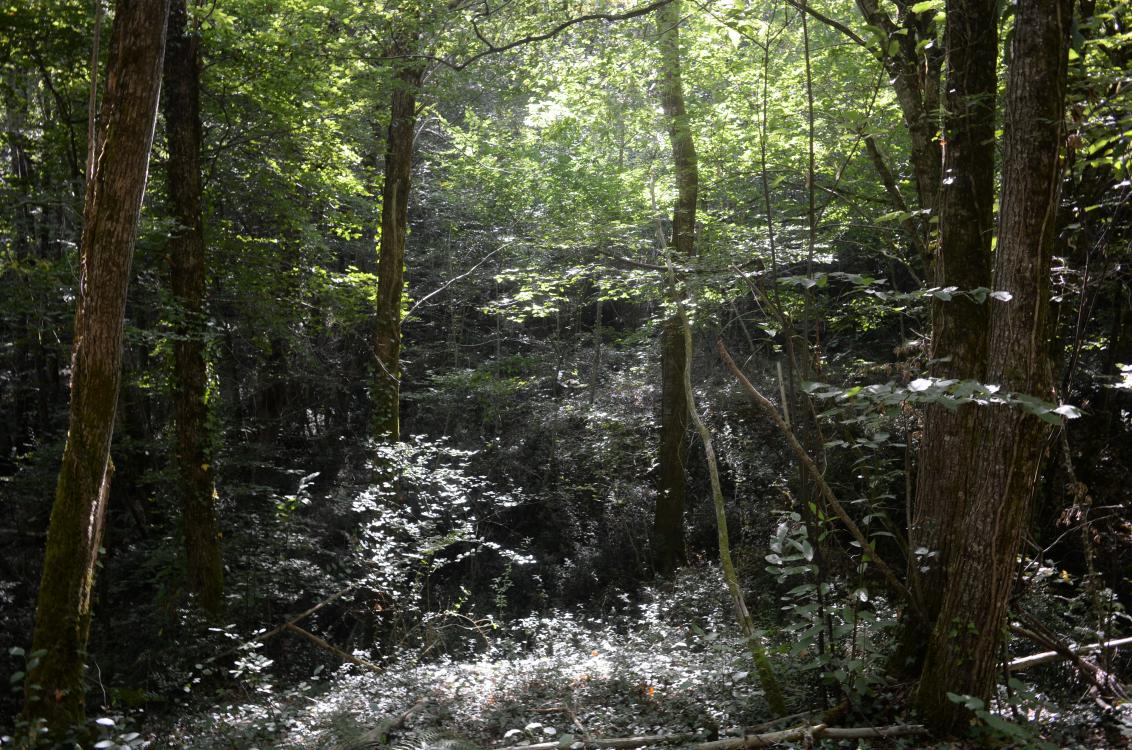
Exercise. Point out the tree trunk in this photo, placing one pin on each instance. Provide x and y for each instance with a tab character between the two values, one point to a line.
959	326
1006	443
391	246
113	202
914	69
187	262
668	522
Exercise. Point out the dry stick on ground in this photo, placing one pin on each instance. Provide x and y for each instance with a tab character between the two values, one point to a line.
827	493
762	665
818	731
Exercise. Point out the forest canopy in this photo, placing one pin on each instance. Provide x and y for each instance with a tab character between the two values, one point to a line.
584	374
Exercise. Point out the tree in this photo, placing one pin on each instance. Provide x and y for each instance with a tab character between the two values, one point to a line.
668	521
187	267
394	227
113	201
962	260
1005	444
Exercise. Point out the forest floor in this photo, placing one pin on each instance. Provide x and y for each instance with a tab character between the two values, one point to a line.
671	665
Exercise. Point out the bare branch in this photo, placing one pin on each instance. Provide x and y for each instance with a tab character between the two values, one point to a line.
804	6
815	473
493	49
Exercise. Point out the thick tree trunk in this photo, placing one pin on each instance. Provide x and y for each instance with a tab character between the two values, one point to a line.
187	261
959	326
668	522
391	246
113	202
1006	443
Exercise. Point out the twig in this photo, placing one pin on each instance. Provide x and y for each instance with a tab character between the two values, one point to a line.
804	6
447	284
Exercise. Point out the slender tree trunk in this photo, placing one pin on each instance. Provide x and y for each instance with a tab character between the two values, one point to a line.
1007	443
187	261
914	69
767	679
113	202
959	326
391	246
668	521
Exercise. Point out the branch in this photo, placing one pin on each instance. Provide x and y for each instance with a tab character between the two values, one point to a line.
492	49
896	198
328	646
804	5
738	743
815	473
1100	679
276	631
1026	662
636	263
447	284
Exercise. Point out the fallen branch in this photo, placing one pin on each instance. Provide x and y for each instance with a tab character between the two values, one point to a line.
379	735
1045	657
818	731
616	743
768	739
815	473
328	646
1101	681
277	630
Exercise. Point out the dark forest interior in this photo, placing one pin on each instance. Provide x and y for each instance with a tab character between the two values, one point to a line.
466	375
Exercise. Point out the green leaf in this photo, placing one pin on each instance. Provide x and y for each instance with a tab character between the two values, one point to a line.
925	6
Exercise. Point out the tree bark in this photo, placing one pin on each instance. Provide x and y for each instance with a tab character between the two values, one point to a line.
187	263
1006	443
668	521
391	245
113	202
959	326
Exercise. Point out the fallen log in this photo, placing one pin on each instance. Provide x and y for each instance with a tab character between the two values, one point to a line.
1045	657
818	731
767	739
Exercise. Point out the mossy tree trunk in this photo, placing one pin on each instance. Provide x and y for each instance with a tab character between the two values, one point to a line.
113	202
391	245
187	265
668	521
1006	444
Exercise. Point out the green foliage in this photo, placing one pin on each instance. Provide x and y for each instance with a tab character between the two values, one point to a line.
833	624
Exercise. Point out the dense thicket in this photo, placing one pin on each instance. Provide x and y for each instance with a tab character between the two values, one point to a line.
403	331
